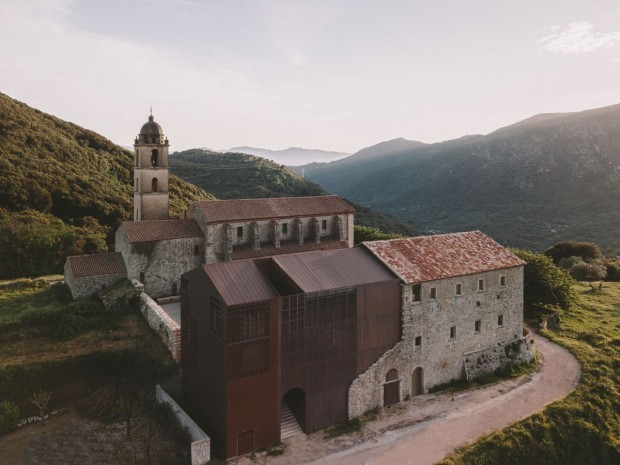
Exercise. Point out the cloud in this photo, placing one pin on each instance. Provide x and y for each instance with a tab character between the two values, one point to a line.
578	38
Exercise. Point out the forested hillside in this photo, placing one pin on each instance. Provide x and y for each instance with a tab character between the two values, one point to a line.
242	176
547	179
63	190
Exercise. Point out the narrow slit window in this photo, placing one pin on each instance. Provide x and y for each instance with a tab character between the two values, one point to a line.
239	232
433	292
500	320
502	280
481	284
453	332
459	289
418	341
477	326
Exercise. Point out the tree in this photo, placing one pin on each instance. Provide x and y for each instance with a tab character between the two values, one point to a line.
563	250
591	270
41	399
367	233
544	283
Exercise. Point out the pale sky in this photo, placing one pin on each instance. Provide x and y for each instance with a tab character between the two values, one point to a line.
335	75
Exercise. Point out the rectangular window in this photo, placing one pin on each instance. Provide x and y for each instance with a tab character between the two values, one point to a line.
142	277
502	280
248	323
324	225
196	249
215	315
477	326
500	320
433	292
239	232
452	332
416	293
481	284
459	289
418	341
284	228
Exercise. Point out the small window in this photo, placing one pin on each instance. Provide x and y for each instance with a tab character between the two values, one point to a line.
433	292
154	184
196	249
481	284
418	341
500	320
459	289
174	289
416	293
453	332
324	225
477	326
502	280
239	232
284	228
142	277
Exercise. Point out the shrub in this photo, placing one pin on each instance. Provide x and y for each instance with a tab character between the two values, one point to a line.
9	416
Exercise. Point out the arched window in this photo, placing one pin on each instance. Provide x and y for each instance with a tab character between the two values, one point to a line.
154	185
154	158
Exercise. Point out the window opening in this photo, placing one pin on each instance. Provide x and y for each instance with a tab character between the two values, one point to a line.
459	289
481	284
154	158
500	320
433	292
452	332
324	225
284	228
477	325
239	232
154	185
418	341
502	280
416	295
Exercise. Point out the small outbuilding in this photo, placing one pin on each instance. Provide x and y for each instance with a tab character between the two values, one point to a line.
86	275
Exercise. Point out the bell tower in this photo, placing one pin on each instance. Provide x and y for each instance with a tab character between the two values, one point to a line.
150	170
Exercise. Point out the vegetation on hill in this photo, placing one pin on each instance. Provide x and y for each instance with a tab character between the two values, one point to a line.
70	183
529	185
584	427
242	176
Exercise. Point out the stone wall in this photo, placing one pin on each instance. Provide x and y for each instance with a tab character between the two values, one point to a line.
201	443
161	262
166	328
487	360
89	285
439	355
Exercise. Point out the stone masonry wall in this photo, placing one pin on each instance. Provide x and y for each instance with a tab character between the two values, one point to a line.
487	360
166	328
89	285
439	355
162	262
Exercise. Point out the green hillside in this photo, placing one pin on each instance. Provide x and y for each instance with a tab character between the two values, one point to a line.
242	176
63	190
544	180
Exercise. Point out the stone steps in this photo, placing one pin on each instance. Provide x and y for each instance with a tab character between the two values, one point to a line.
288	424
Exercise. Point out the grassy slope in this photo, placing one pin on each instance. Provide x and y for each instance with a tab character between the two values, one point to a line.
583	428
238	175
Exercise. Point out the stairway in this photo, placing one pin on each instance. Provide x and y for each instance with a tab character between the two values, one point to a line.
288	424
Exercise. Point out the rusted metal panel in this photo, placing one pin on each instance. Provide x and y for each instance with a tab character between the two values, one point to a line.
239	282
218	211
428	258
325	270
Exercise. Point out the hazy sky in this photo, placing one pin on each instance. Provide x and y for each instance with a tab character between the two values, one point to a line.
336	75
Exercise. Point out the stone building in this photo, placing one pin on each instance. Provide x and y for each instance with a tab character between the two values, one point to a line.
86	275
332	334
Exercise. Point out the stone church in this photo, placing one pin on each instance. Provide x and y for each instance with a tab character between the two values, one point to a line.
282	317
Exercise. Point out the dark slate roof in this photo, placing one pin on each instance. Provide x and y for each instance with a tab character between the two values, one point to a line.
427	258
218	211
239	282
333	269
97	264
161	230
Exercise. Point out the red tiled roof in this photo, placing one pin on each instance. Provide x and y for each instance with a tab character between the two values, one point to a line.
333	269
427	258
97	264
161	230
218	211
239	282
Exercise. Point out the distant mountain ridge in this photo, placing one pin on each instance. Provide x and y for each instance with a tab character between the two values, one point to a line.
292	156
548	178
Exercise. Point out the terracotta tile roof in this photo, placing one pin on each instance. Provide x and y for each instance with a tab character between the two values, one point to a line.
161	230
218	211
239	282
97	264
333	269
267	249
427	258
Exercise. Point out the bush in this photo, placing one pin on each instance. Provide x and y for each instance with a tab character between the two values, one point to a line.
9	416
585	250
367	233
589	270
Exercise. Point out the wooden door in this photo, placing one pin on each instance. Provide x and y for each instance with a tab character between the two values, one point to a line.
391	388
417	382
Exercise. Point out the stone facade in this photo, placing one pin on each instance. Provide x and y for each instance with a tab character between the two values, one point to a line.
484	320
168	330
159	264
90	285
87	275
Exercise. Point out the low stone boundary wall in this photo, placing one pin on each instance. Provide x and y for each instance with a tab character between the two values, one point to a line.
167	329
201	443
491	358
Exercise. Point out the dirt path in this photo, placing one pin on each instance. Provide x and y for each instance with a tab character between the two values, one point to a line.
452	423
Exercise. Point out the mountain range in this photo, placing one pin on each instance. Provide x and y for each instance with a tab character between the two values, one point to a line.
548	178
291	156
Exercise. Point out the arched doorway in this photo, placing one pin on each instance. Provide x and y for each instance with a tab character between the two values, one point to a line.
154	157
391	388
417	382
293	413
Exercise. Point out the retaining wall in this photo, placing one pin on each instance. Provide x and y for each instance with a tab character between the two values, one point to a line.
167	329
